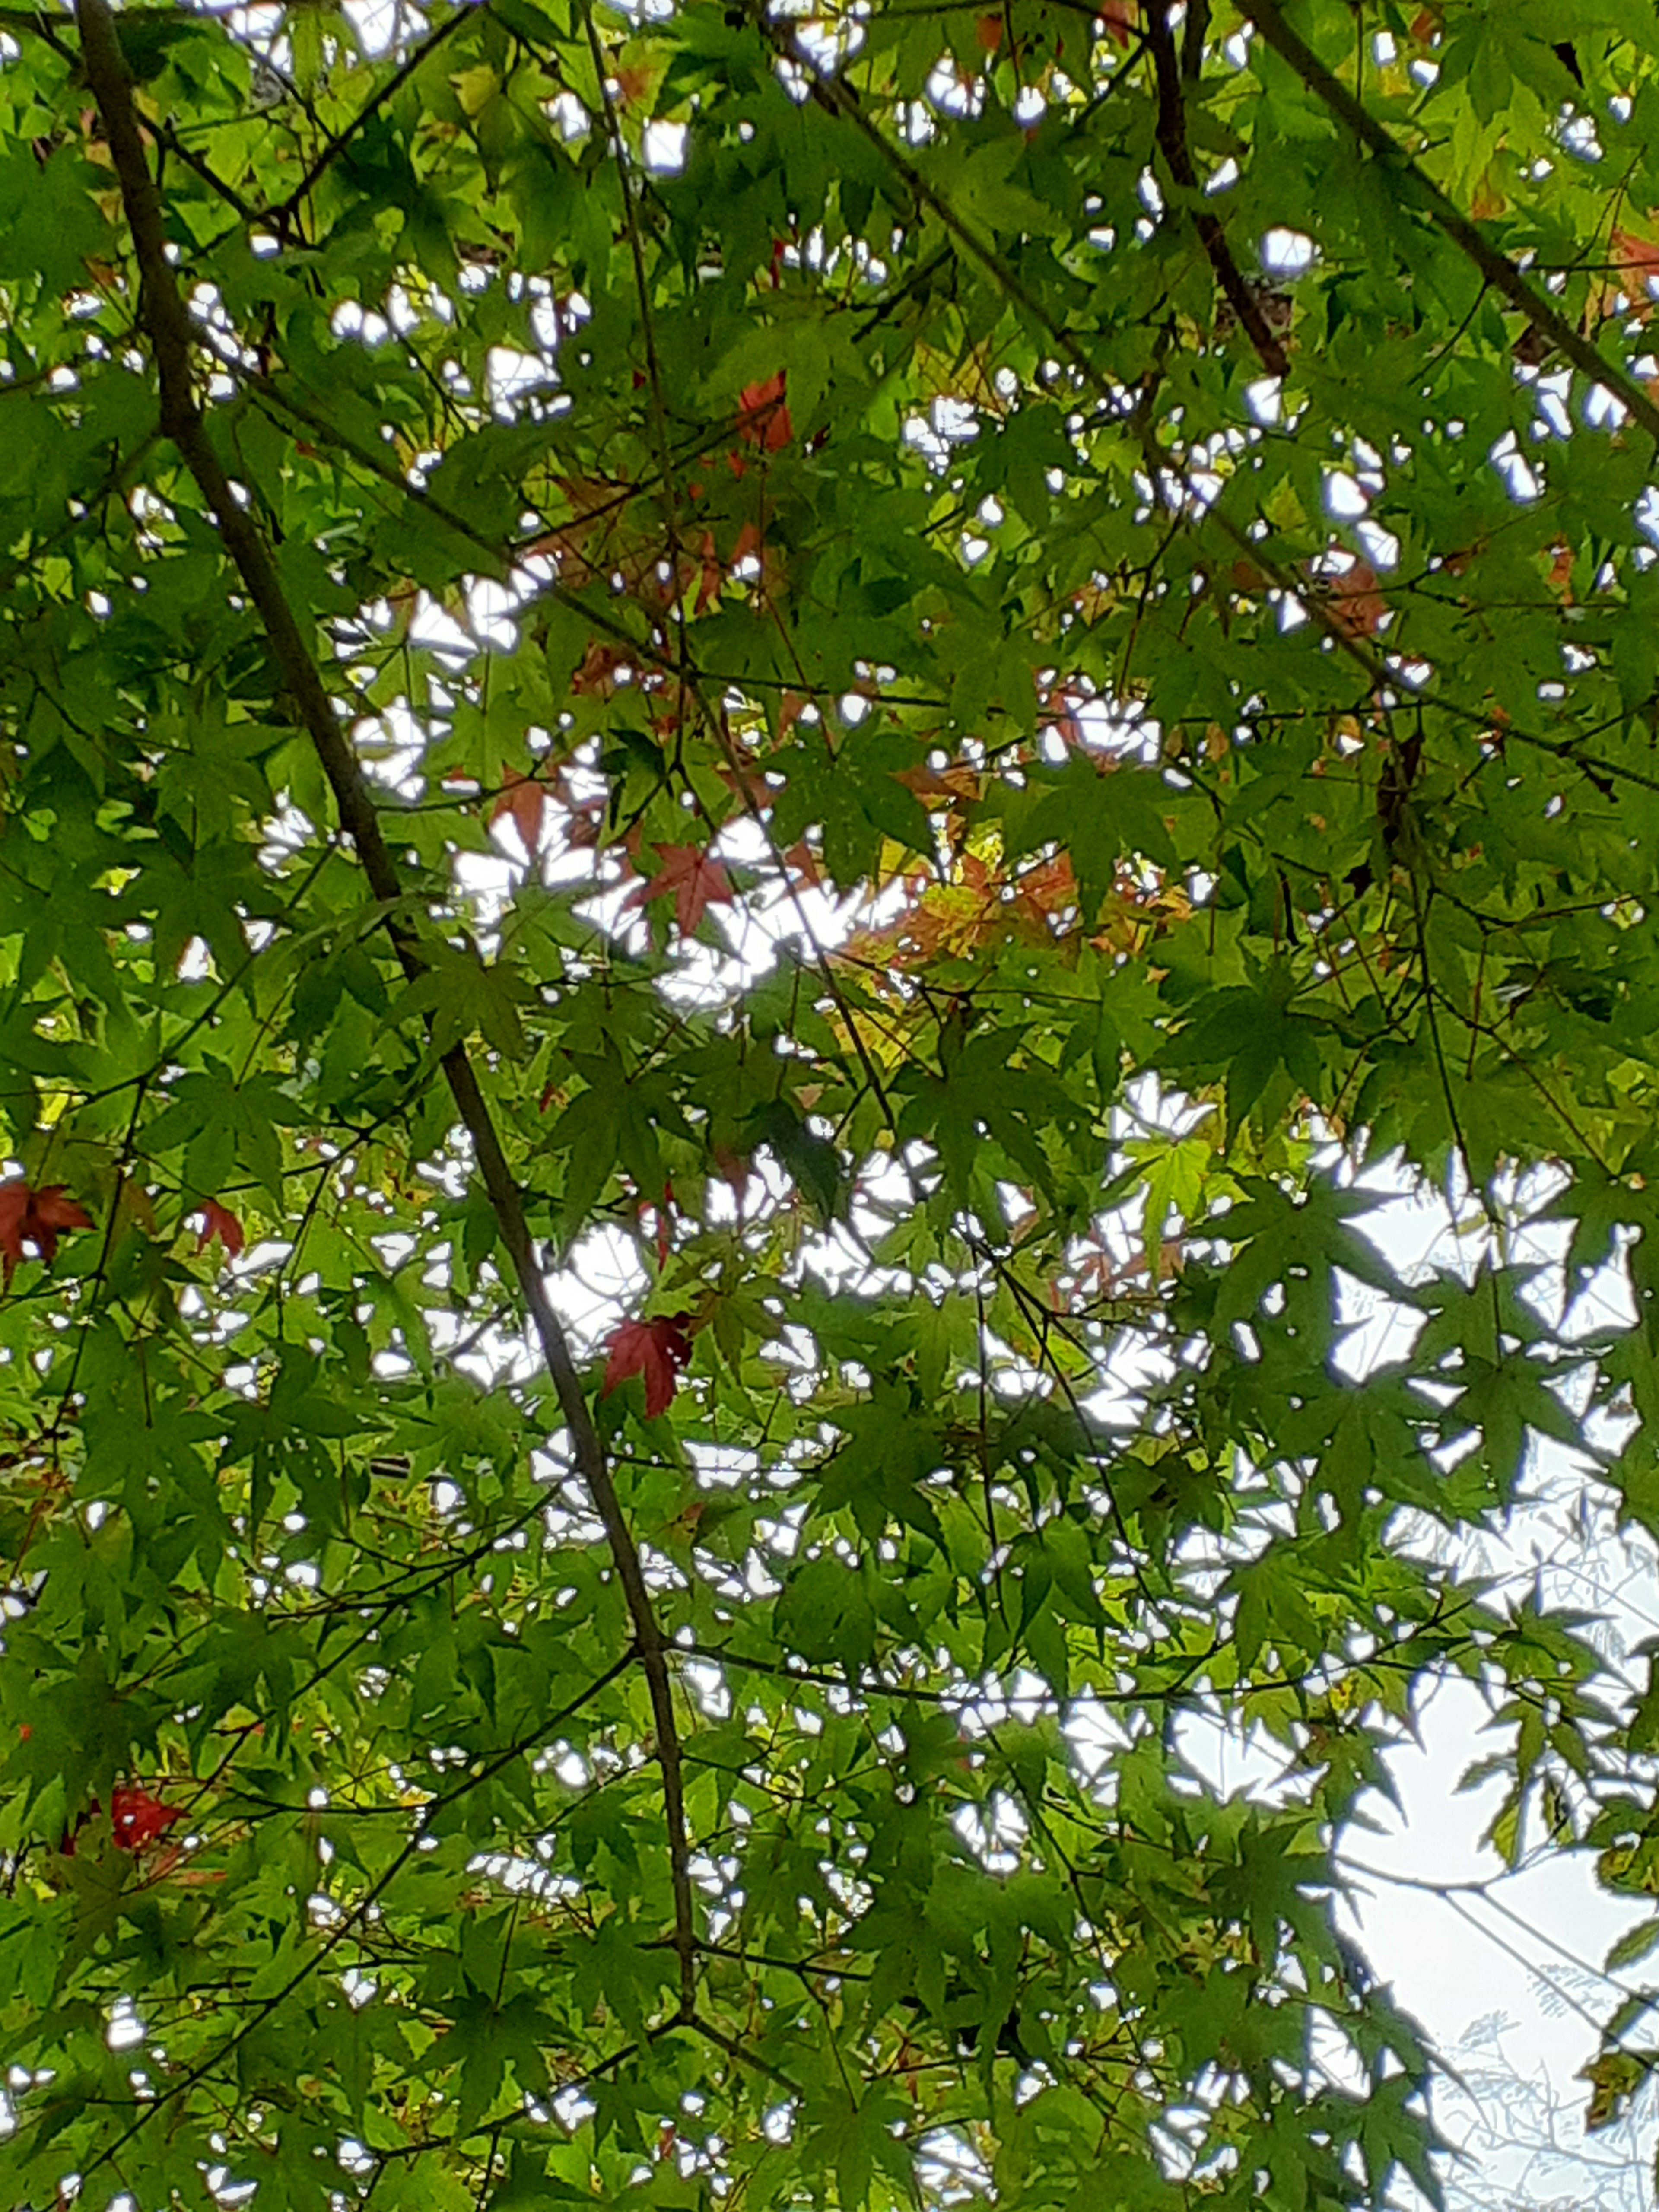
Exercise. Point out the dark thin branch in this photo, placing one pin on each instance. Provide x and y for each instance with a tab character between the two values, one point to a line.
204	169
1193	33
1177	154
166	322
735	2050
1499	271
1160	467
282	214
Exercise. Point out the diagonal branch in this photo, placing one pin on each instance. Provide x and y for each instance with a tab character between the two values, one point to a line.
1165	472
1172	144
283	213
166	320
1499	271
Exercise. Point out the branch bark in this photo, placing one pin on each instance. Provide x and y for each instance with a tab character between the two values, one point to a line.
1499	271
165	321
1177	154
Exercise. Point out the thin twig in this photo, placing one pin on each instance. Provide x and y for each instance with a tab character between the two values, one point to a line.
282	214
1499	271
1172	144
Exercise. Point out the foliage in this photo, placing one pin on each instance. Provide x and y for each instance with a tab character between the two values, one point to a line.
886	679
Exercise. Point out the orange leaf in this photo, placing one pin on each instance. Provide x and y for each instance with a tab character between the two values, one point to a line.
763	414
1638	259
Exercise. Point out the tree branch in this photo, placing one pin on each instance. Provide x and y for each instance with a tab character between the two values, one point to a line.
166	320
282	214
1499	271
1172	144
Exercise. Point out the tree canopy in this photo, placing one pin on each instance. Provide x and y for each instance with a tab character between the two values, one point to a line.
751	758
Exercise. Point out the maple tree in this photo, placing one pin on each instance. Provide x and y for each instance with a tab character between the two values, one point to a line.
632	1512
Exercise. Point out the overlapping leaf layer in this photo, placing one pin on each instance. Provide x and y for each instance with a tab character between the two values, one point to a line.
735	744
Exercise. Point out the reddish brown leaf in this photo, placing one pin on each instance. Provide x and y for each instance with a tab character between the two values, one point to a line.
1637	259
596	675
656	1350
692	878
29	1217
763	414
802	864
219	1221
736	1169
525	800
1359	606
987	33
664	1210
1119	17
137	1818
794	706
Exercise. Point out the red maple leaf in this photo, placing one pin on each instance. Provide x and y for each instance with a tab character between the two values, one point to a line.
694	879
219	1221
137	1818
525	800
35	1217
763	414
655	1349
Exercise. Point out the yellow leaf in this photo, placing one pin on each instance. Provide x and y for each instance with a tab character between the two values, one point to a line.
475	88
